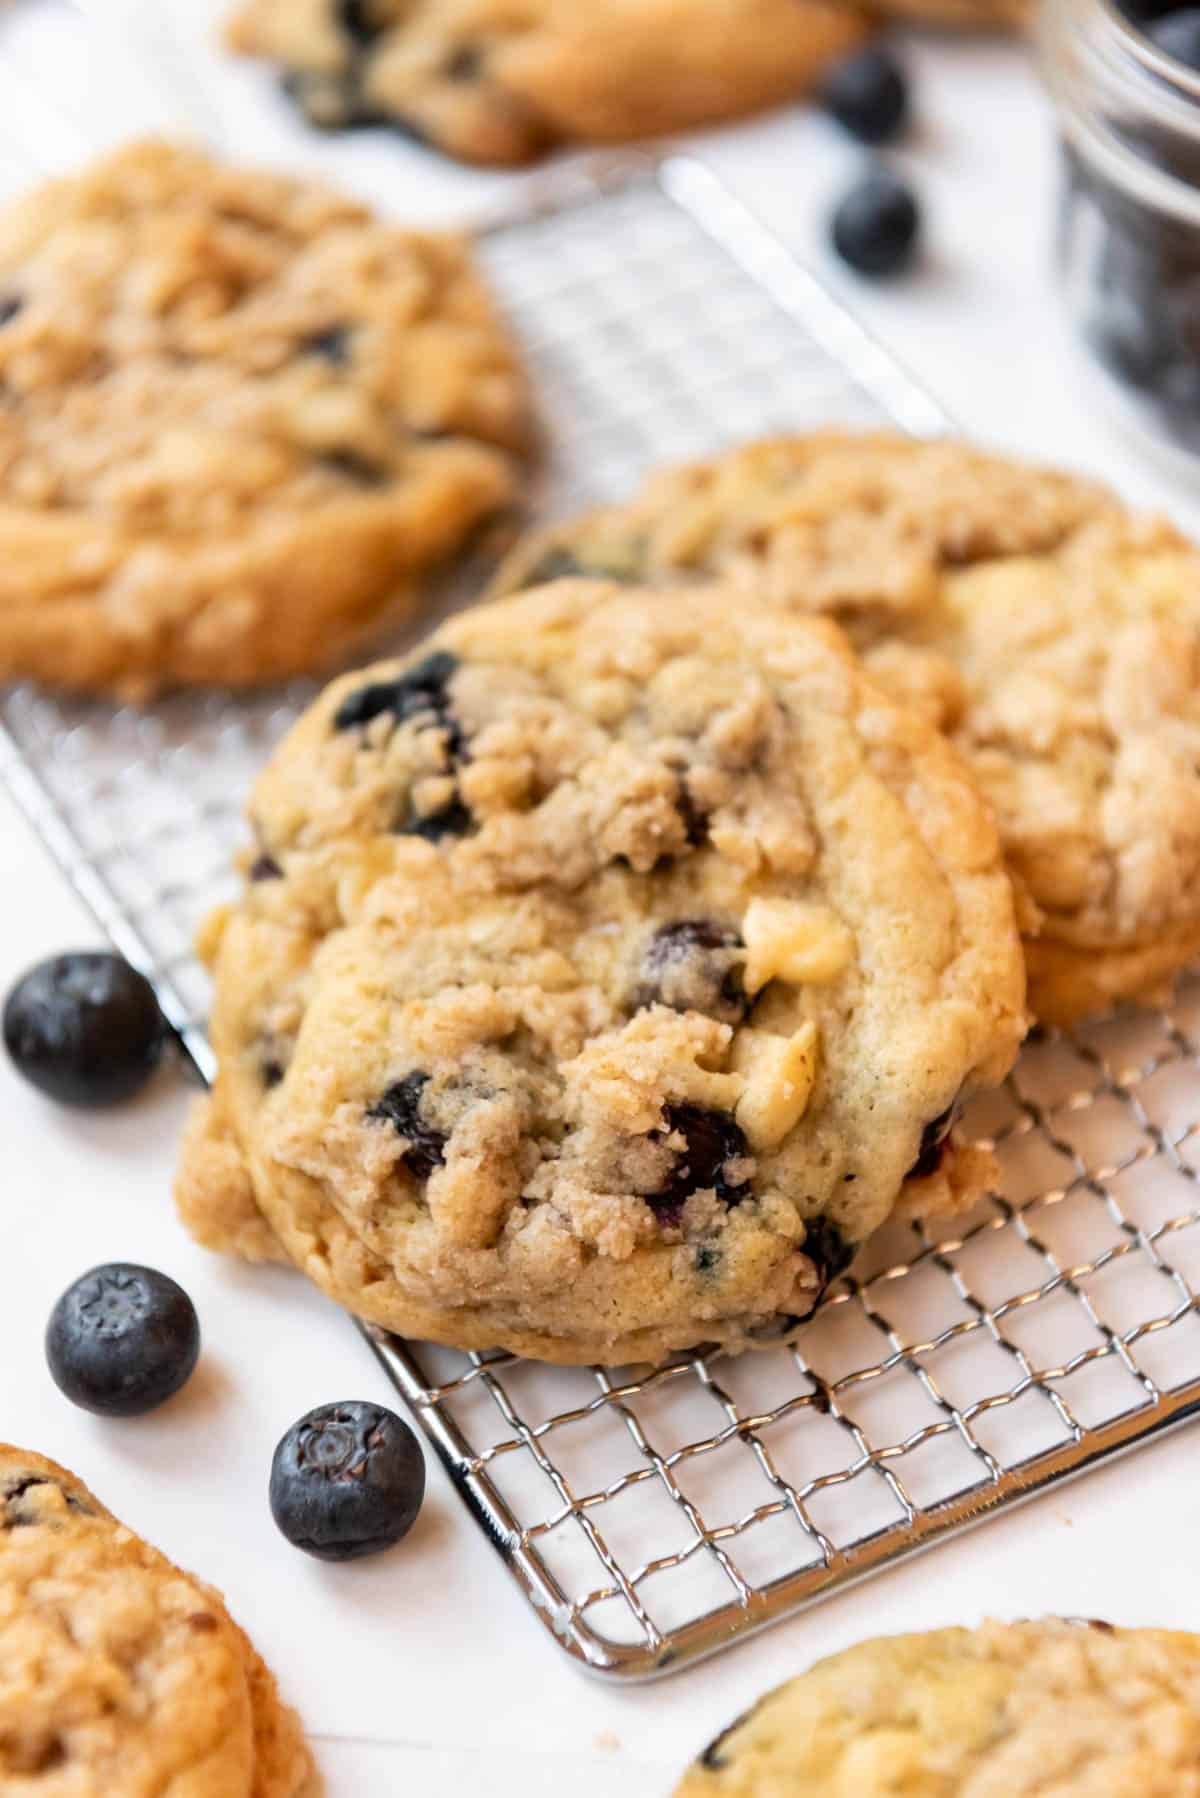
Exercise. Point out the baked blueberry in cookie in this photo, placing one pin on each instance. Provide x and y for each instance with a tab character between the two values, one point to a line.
247	424
637	1060
1053	634
1019	1709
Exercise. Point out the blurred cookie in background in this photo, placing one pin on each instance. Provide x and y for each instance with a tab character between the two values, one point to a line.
1051	633
491	83
246	423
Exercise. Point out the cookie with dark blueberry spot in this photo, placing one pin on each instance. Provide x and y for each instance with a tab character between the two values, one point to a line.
1051	632
568	1075
121	1674
248	423
1018	1710
494	83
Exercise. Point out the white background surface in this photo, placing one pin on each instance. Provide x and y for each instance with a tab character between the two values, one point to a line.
423	1671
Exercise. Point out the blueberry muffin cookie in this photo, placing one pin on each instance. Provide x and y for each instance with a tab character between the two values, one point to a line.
1054	636
121	1676
600	977
491	82
1024	1710
244	422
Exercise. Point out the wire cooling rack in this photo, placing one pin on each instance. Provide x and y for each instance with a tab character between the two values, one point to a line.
652	1516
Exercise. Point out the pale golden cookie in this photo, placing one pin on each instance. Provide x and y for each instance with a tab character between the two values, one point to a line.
601	977
245	422
493	82
120	1676
1022	1710
1052	634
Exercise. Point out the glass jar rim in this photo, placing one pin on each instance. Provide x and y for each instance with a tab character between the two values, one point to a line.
1100	66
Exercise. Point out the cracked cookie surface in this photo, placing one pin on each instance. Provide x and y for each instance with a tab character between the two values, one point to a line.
1052	634
120	1674
493	82
600	975
1046	1709
244	422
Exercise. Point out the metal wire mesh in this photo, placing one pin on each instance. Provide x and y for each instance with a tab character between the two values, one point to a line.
653	1515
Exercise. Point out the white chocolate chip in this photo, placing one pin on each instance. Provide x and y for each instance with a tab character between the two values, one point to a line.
779	1072
792	941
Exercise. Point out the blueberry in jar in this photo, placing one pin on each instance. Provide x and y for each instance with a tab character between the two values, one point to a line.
1177	35
868	95
876	226
84	1028
122	1340
347	1480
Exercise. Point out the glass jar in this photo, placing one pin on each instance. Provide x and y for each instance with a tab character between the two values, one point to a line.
1128	240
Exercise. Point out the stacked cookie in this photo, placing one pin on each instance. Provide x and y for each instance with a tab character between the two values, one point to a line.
607	972
120	1674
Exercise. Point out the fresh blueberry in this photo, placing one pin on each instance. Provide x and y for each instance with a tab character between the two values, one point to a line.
711	1139
867	93
347	1480
122	1340
1178	36
876	226
400	1107
84	1028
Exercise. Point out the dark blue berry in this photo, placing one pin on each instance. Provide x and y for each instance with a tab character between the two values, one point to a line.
693	964
933	1145
353	467
453	820
867	94
84	1028
400	1107
1178	36
10	305
265	867
122	1340
331	345
419	693
357	21
711	1139
827	1249
347	1480
875	228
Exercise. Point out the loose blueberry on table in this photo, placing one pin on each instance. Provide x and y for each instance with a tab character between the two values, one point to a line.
84	1028
346	1481
876	226
122	1340
868	95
